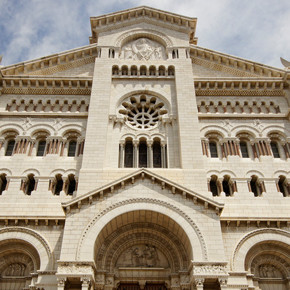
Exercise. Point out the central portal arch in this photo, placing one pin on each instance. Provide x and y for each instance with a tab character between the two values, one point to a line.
142	246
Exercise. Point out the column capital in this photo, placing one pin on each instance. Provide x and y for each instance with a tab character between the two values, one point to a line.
223	282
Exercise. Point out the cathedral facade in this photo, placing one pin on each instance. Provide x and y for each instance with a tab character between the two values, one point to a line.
144	161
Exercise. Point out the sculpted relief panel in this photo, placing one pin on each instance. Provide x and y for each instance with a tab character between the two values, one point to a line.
143	49
142	256
269	271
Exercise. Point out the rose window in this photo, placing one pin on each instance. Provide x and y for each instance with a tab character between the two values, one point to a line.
142	112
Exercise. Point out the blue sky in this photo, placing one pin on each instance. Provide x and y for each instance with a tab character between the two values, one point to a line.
257	30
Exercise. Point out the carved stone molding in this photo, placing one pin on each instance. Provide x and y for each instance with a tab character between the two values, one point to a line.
17	230
75	268
209	269
147	201
282	233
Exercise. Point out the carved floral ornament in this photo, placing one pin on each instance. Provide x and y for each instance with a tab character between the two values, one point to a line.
143	49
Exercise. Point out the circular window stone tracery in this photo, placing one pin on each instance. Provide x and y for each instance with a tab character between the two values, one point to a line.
142	111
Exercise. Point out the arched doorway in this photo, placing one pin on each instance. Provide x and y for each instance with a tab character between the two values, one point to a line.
143	249
269	262
19	260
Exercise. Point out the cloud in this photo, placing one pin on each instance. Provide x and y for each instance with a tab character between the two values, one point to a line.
256	30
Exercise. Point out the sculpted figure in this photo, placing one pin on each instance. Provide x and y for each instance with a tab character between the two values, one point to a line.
142	49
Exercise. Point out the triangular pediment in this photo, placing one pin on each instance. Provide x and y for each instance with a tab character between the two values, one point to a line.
141	175
111	21
77	62
210	63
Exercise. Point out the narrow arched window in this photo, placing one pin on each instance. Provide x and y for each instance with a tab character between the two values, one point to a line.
41	148
213	186
162	71
244	149
254	185
128	161
71	184
58	184
282	185
72	146
3	182
213	149
171	71
143	71
157	162
142	154
226	186
30	184
10	148
275	150
133	70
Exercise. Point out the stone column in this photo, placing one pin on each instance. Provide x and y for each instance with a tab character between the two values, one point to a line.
136	154
150	154
163	155
86	282
122	153
199	283
61	283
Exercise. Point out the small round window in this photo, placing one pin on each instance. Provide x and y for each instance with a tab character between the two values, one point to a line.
142	112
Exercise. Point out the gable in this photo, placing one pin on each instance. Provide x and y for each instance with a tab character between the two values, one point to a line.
209	63
143	175
75	62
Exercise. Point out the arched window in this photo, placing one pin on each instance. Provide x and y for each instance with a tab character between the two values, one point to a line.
275	149
244	149
128	160
10	147
171	71
41	148
143	70
227	186
142	154
29	184
115	70
3	183
152	71
213	149
157	159
72	146
71	184
162	71
256	186
134	70
283	185
57	186
124	70
213	185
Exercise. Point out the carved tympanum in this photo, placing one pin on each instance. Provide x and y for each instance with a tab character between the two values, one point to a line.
142	256
269	271
143	49
15	270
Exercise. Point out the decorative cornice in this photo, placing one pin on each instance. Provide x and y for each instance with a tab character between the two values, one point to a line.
239	87
167	19
232	64
54	63
142	174
255	221
46	85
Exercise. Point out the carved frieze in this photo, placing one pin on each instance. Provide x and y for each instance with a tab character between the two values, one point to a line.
210	269
143	49
70	268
